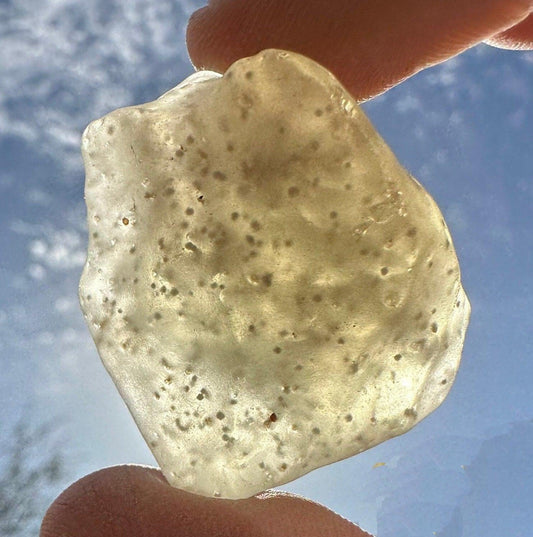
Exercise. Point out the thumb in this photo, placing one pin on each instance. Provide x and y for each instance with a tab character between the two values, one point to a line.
135	501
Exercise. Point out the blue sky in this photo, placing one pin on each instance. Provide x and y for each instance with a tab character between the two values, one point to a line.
463	129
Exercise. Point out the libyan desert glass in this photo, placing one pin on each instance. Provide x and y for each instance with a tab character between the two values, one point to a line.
269	289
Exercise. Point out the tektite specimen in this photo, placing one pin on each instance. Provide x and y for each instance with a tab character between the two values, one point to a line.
269	289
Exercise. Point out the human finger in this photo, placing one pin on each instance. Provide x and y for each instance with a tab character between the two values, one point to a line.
369	46
519	37
135	501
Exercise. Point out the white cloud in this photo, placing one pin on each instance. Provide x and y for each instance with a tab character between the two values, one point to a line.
66	304
407	103
36	196
36	271
38	248
45	338
51	248
59	250
75	61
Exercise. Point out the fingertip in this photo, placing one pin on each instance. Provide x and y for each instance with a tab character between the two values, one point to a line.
135	501
368	46
192	36
519	37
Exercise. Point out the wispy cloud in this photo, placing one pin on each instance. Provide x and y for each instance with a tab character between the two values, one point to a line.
75	61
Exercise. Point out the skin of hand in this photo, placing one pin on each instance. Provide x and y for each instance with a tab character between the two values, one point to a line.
370	46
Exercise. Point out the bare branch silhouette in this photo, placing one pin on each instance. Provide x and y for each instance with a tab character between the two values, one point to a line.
31	472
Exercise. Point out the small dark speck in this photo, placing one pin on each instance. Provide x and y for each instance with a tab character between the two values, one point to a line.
293	191
267	279
157	316
397	357
316	430
384	271
277	350
219	175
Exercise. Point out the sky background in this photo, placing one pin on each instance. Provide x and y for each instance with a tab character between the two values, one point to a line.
464	129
